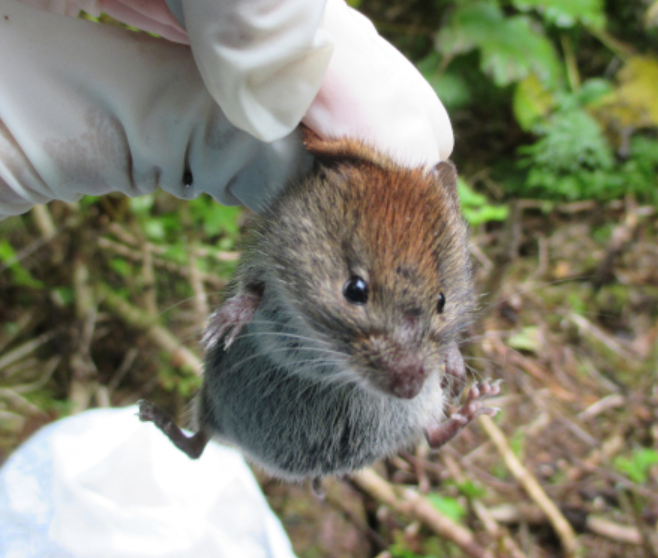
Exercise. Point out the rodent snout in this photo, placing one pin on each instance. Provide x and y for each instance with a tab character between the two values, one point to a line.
407	379
394	369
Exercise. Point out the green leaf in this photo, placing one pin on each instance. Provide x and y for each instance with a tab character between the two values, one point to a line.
87	201
638	466
450	86
65	294
528	339
215	218
20	276
511	48
567	13
476	207
449	507
221	218
142	205
177	252
471	489
572	140
532	101
121	266
633	104
593	90
154	229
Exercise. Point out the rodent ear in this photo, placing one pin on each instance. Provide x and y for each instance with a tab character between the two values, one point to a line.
331	152
311	140
446	174
324	150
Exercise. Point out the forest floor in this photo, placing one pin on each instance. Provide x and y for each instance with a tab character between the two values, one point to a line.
102	304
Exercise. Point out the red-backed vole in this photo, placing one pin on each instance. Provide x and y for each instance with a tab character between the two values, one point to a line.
337	340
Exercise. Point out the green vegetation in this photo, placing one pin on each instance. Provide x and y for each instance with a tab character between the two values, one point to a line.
566	90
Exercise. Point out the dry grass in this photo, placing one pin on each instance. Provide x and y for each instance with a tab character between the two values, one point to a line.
569	323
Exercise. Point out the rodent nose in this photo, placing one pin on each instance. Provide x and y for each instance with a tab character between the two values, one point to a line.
408	379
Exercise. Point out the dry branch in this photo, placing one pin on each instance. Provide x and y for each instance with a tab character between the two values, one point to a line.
161	336
137	257
511	514
25	349
533	488
84	378
411	504
505	541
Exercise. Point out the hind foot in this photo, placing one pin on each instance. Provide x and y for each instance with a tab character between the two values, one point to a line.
192	446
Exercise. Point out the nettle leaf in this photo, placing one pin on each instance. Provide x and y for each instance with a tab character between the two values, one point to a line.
572	140
633	104
469	27
567	13
532	101
450	86
592	91
511	48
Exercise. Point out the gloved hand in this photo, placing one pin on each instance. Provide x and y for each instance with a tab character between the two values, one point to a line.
269	63
102	484
88	109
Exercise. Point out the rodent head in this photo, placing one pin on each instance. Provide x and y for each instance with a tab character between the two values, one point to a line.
374	259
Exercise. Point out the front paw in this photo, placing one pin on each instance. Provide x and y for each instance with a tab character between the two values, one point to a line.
478	392
229	319
473	408
455	371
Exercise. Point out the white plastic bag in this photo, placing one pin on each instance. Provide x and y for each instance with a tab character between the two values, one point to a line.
104	485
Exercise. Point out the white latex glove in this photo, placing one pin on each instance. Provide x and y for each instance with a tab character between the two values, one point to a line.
88	109
92	109
103	484
269	63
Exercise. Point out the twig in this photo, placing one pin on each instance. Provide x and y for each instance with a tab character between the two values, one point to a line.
162	337
203	252
50	366
614	531
596	332
84	377
629	505
533	488
44	221
18	326
572	64
612	401
11	422
148	281
18	402
413	505
335	497
123	369
170	266
511	513
535	370
25	349
511	548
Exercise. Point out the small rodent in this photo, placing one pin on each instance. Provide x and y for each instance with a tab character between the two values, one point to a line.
337	340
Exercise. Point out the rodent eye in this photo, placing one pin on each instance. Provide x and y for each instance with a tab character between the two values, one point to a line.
440	303
356	290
